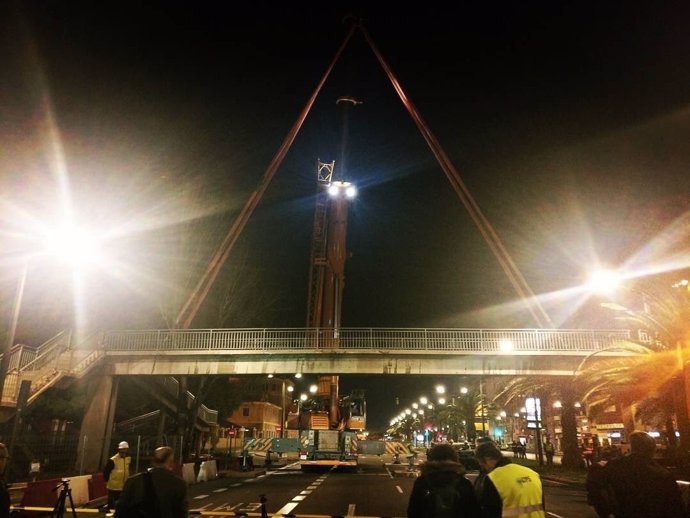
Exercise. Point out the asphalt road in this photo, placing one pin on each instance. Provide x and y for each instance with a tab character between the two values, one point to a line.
375	489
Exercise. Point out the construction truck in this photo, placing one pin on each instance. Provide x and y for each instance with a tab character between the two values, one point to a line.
327	437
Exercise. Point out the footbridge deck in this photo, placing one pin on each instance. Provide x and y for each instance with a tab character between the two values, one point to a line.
357	350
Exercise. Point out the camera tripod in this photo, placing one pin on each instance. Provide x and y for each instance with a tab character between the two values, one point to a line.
60	504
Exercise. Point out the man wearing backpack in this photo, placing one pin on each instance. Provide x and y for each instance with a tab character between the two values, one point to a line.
507	489
157	493
442	491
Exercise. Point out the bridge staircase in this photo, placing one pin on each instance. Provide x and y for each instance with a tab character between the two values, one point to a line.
57	362
165	391
61	360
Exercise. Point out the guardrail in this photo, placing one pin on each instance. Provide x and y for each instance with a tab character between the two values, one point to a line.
366	339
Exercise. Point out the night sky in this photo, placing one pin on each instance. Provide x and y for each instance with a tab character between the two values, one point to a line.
569	122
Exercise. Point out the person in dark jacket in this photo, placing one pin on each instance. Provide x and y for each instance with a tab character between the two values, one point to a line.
169	490
441	470
635	486
4	491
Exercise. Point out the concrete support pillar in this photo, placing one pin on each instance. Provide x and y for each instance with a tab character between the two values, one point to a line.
97	426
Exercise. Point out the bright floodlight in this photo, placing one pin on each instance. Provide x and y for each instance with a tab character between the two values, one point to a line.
415	405
440	389
464	390
350	191
290	388
557	404
313	389
506	345
333	190
72	244
603	281
408	411
298	375
270	375
441	401
423	400
303	397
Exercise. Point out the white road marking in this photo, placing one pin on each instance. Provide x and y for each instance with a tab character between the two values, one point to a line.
554	514
299	498
220	490
399	489
305	492
312	487
200	497
286	509
203	508
351	510
236	485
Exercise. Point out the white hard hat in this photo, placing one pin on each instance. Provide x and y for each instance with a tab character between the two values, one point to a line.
123	446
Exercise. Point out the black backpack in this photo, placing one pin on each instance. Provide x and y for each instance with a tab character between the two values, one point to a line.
443	501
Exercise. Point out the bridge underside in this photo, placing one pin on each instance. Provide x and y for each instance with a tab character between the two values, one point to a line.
445	364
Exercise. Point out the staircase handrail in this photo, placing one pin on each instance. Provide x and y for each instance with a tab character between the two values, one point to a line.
134	420
172	386
87	361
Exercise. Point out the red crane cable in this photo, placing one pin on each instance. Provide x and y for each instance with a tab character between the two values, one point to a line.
509	267
191	307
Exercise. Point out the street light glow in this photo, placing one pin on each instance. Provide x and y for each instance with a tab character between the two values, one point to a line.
72	244
313	389
506	345
423	400
303	397
290	388
464	390
441	401
298	375
440	389
603	281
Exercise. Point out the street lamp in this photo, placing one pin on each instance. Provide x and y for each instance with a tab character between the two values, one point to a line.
66	242
440	389
464	390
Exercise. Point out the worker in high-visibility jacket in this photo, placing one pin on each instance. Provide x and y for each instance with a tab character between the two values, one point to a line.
116	473
504	489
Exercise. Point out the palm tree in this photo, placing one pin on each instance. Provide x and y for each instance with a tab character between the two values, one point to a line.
453	418
548	388
649	380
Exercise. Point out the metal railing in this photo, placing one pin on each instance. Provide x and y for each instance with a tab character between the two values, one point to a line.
516	341
172	387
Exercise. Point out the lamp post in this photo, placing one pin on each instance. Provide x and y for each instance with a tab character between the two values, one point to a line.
12	332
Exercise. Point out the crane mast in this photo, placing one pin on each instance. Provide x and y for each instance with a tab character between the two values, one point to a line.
328	257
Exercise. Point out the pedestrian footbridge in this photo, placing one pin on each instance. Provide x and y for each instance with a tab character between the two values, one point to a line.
310	351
